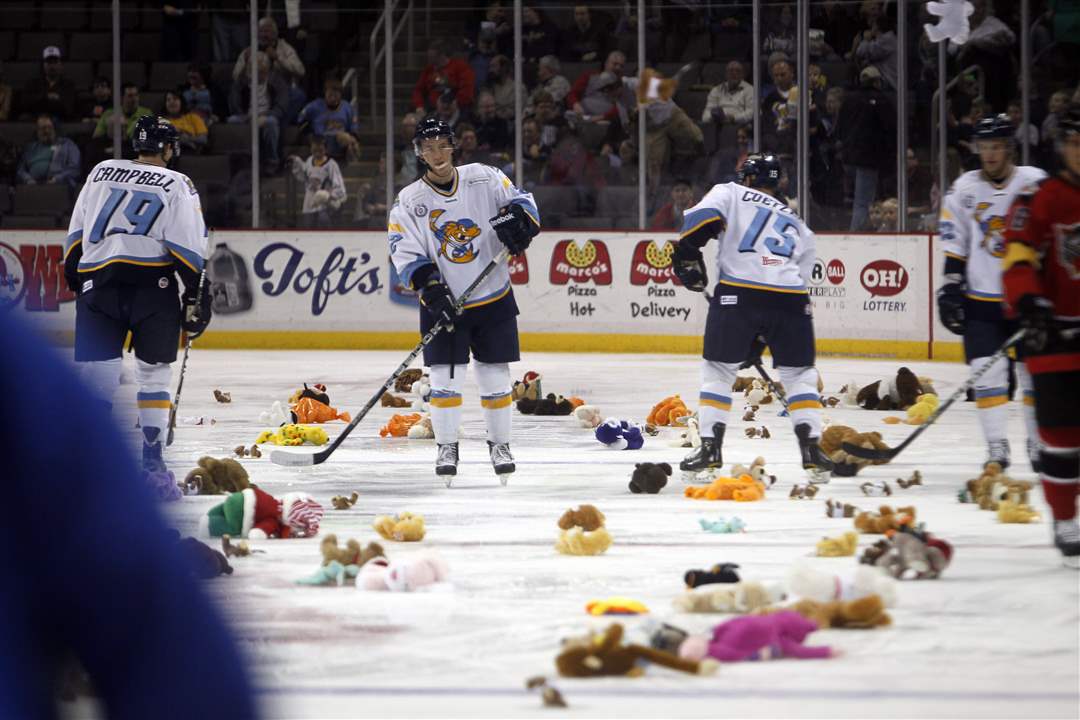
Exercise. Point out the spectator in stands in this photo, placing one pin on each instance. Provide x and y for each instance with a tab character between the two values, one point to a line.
549	80
371	203
877	46
867	130
5	97
500	82
283	61
468	150
778	108
991	47
683	21
1016	114
52	93
179	28
492	132
539	36
198	94
826	169
324	188
586	41
833	18
669	132
130	111
552	122
869	12
729	160
919	181
231	29
533	154
49	159
498	21
590	96
100	100
781	35
446	108
481	55
670	215
1059	101
443	73
732	101
406	153
874	215
192	129
963	130
332	118
890	214
269	105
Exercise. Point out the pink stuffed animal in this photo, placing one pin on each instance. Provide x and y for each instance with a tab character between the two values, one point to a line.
756	637
402	575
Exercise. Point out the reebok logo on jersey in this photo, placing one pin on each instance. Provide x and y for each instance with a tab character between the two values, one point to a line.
729	299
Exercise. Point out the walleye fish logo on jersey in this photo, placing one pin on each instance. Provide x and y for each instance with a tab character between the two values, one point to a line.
992	228
1069	248
455	237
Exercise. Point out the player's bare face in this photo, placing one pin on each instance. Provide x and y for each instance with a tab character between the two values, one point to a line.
1070	153
438	153
995	156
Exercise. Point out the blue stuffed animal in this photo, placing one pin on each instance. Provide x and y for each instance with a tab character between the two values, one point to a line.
333	573
720	525
620	434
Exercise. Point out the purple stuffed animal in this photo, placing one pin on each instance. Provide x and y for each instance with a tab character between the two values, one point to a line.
756	637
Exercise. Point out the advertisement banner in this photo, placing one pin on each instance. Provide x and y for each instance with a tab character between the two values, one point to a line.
591	290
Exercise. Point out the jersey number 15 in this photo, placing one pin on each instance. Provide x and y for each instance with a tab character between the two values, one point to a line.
141	211
787	229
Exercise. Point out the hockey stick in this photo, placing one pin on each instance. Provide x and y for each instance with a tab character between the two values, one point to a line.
291	459
773	387
183	368
870	454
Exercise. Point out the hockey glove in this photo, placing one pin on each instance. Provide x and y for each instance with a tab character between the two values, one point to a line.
689	266
756	348
196	312
950	302
1037	317
436	297
514	228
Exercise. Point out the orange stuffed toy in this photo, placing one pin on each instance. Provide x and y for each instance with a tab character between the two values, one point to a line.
669	411
741	489
399	425
310	410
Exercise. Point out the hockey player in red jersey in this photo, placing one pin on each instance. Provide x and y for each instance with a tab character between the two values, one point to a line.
1042	287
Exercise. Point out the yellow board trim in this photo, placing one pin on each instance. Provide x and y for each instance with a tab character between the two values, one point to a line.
495	403
446	402
805	405
1017	252
163	404
991	402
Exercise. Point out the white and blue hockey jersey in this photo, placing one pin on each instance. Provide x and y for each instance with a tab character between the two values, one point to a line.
452	229
763	244
972	228
135	213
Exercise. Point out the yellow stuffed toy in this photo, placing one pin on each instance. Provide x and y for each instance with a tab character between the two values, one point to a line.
1016	512
923	408
582	532
293	434
741	489
615	606
842	546
404	527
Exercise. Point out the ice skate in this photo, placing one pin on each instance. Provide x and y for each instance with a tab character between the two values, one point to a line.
446	461
814	460
999	453
152	461
708	454
1067	540
501	460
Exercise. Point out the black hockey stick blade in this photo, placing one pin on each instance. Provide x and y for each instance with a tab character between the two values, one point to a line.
289	459
886	455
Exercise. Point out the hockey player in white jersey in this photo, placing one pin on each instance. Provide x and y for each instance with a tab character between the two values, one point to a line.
764	257
441	238
972	229
136	226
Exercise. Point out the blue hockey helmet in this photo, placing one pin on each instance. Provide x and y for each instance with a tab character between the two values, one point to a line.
153	134
994	127
761	170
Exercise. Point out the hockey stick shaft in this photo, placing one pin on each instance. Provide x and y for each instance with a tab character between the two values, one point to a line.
183	368
773	387
961	391
281	457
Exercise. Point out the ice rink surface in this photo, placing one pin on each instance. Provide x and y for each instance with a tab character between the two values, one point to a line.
997	636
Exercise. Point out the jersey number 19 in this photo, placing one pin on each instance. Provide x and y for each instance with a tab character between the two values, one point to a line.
141	211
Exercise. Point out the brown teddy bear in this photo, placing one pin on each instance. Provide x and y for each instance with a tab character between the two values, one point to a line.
404	381
340	502
351	554
603	654
586	517
896	393
582	532
832	440
886	519
863	613
215	477
993	487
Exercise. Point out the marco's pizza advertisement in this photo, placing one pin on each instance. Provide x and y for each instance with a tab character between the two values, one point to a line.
285	285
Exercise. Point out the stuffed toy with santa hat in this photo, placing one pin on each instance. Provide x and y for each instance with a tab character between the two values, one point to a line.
256	514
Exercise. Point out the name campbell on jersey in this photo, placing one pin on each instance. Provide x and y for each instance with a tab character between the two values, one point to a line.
972	226
452	229
135	213
763	244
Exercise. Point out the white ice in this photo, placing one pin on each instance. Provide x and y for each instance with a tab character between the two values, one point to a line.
997	636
